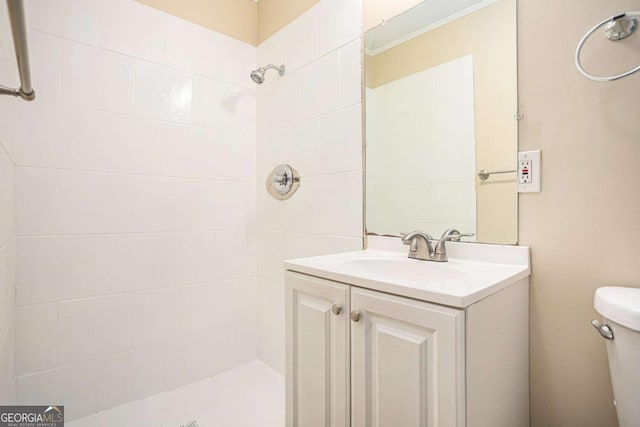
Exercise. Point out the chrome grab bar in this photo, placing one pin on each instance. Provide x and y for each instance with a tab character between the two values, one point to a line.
19	33
484	174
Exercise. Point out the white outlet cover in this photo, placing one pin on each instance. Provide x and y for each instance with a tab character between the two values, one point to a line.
529	179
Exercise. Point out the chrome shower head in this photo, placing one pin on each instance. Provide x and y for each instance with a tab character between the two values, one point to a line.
258	75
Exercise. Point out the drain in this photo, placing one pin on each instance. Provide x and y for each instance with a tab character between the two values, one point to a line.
192	423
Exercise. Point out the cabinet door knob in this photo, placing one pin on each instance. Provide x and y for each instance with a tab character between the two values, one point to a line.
355	316
336	309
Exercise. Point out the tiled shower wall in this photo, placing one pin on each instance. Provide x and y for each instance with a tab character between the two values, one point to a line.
8	76
311	119
135	205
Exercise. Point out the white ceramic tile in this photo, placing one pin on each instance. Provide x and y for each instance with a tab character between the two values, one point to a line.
190	47
295	45
238	58
113	316
160	204
279	102
270	255
7	198
320	86
320	209
94	202
52	268
7	291
7	368
271	297
152	261
133	29
72	386
36	201
128	376
93	327
234	254
162	93
222	305
199	50
298	245
209	153
36	337
97	78
77	334
160	316
129	144
63	138
351	73
200	357
339	22
222	106
271	347
78	20
176	370
8	115
339	142
45	54
234	347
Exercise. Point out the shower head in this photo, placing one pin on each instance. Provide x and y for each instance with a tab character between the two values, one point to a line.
258	75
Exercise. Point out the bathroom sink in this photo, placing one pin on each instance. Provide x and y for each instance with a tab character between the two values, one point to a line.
404	269
474	271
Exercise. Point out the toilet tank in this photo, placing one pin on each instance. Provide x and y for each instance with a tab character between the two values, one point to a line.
620	308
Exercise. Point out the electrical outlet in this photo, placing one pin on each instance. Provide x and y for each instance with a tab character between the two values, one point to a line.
529	171
524	172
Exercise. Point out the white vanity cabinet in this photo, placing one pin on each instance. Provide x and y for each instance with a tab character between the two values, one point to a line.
364	358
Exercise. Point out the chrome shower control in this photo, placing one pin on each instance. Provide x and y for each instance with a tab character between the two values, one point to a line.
283	181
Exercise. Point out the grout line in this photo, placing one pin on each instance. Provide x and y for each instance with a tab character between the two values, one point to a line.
133	233
147	347
8	241
248	132
136	174
133	292
141	59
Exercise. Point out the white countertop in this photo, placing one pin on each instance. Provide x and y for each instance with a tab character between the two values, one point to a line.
477	272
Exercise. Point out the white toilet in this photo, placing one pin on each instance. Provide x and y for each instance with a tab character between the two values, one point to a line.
620	308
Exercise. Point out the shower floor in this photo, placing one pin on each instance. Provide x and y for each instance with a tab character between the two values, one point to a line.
249	396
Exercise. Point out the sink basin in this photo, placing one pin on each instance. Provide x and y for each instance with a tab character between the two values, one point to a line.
475	272
403	269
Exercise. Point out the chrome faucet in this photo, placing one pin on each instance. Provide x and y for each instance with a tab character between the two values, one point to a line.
420	246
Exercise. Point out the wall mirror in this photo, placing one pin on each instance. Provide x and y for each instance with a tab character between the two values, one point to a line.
441	105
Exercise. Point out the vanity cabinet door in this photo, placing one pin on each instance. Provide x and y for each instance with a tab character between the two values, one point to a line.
407	362
317	352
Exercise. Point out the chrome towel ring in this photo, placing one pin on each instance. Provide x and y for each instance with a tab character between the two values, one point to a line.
618	27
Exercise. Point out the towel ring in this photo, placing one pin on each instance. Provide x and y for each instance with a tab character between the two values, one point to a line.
620	27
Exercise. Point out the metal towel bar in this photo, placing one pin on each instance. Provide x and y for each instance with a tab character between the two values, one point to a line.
19	33
484	174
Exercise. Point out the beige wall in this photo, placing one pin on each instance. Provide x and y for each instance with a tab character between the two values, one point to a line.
244	20
275	14
584	227
490	35
235	18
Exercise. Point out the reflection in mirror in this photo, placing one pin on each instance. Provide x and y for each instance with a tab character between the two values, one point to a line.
441	95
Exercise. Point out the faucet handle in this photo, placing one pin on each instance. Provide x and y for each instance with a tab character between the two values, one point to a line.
453	235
